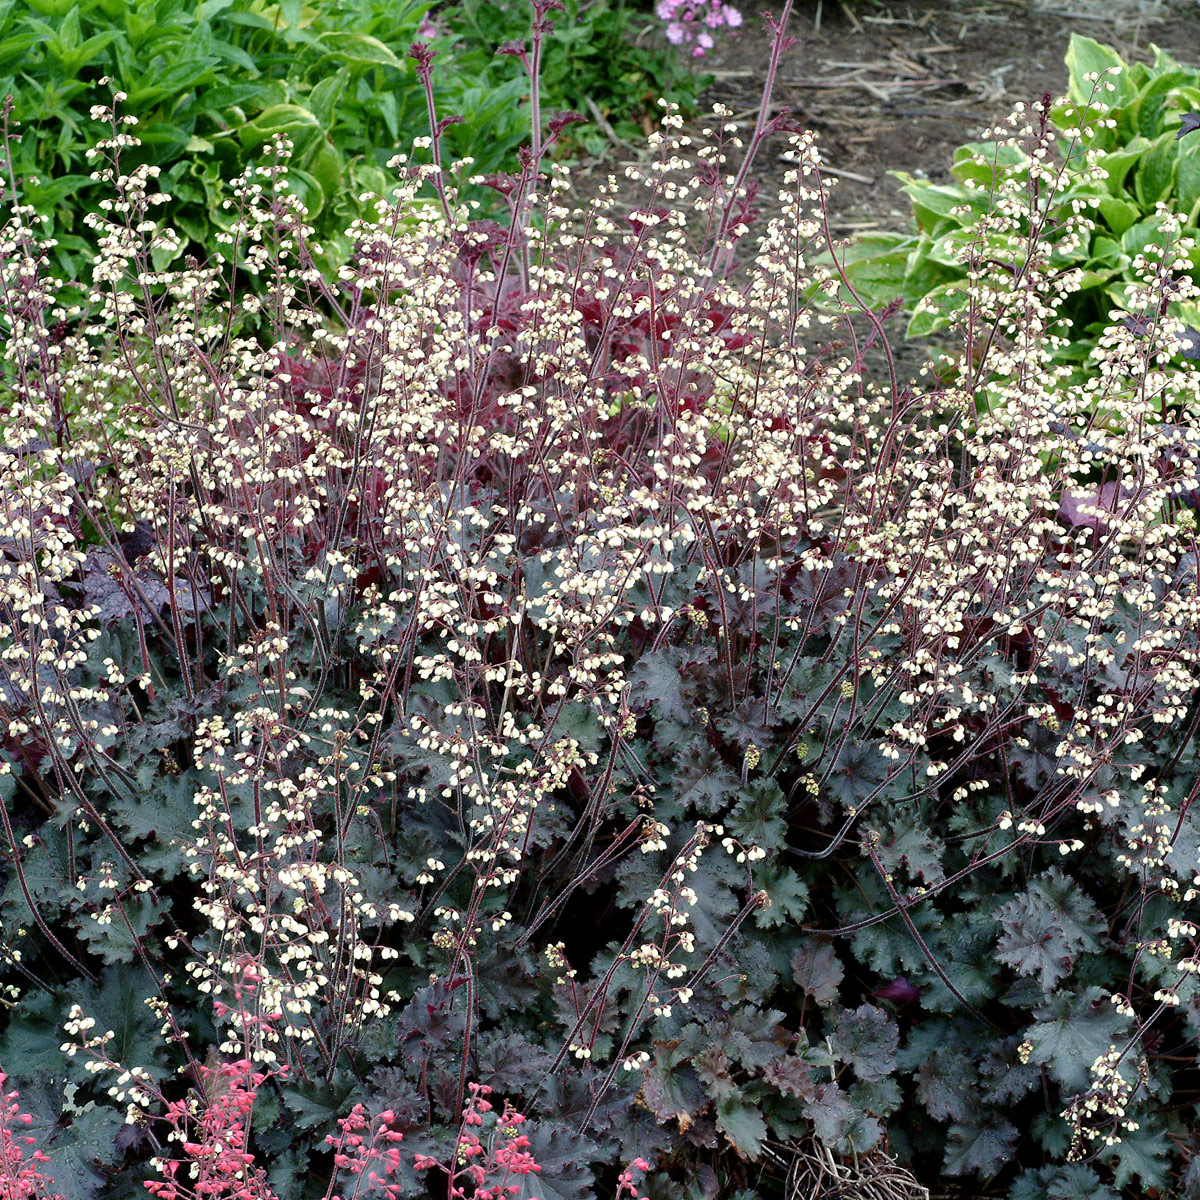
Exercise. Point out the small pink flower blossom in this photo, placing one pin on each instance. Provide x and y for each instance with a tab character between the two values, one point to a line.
683	17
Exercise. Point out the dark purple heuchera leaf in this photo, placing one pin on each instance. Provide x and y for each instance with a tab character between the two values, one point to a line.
1141	324
563	1156
909	844
979	1148
1086	509
1045	928
743	1126
899	990
830	1113
816	970
946	1084
672	1089
656	679
753	1036
1189	124
1071	1030
511	1063
112	589
792	1076
716	1072
867	1039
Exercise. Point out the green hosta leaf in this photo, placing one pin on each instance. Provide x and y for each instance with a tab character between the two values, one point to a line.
1084	55
1118	162
1154	178
1152	103
1187	178
867	1039
324	163
938	308
289	119
979	1148
997	158
877	265
325	96
948	249
361	49
1119	215
1072	1031
1137	237
180	77
934	202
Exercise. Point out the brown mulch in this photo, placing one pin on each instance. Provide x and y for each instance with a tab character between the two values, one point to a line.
899	84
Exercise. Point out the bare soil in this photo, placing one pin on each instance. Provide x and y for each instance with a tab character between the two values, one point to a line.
899	84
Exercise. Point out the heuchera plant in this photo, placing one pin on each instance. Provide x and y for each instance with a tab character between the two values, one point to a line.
511	719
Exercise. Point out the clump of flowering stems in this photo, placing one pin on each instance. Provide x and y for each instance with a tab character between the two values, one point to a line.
432	511
490	1169
22	1165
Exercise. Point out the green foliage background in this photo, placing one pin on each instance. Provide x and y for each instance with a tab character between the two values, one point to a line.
211	82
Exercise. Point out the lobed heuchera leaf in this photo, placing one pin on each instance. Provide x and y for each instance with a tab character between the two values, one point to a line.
867	1038
979	1148
743	1125
1072	1031
1189	123
1074	1181
817	971
831	1113
1045	927
907	842
656	680
946	1084
563	1156
672	1089
79	1136
1141	1154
